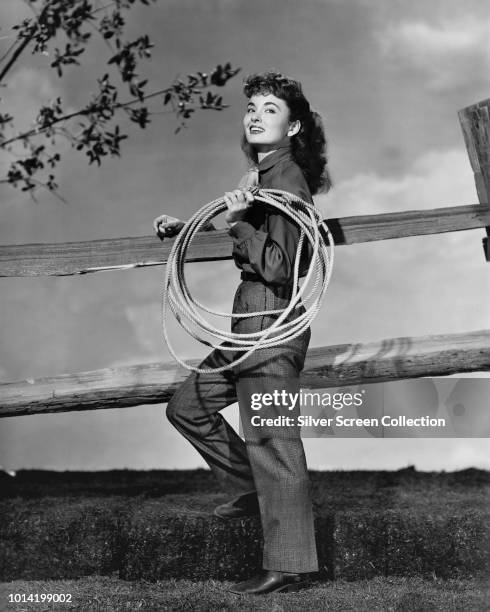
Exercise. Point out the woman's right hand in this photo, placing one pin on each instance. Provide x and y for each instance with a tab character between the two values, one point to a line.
166	226
237	202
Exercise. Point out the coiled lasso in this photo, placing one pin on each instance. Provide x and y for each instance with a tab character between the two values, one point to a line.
177	296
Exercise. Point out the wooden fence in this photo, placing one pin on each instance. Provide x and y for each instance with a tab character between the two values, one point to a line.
349	364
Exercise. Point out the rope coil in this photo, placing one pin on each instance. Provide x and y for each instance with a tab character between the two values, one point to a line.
176	294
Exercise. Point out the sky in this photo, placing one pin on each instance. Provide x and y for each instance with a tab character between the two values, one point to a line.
388	78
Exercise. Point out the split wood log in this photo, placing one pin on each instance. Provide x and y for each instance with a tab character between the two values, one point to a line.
475	123
330	366
67	258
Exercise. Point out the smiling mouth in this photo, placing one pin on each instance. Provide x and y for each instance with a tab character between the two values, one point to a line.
255	130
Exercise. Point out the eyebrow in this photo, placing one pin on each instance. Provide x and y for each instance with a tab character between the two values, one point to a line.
273	104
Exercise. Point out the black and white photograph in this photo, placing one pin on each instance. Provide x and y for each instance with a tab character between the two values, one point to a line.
244	305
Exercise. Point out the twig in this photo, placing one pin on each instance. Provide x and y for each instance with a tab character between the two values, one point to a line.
80	113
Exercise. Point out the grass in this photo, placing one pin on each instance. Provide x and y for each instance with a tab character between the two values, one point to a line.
381	594
157	525
157	538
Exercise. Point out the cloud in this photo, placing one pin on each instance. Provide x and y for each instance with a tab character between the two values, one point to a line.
145	321
449	55
436	179
26	90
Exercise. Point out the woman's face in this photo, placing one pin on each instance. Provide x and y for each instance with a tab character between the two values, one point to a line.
267	124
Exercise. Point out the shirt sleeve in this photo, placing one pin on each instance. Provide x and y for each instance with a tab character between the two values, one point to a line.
271	252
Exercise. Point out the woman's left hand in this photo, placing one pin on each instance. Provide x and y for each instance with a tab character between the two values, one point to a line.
167	226
237	202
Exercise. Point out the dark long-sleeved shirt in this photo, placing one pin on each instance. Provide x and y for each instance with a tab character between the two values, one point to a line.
265	240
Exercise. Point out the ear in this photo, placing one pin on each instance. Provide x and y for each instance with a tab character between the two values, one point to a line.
294	128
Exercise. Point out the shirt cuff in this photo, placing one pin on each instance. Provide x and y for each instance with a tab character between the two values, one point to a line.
241	231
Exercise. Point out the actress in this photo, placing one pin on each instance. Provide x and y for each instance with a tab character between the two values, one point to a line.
284	142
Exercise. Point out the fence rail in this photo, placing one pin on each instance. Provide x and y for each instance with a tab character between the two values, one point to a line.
331	366
67	258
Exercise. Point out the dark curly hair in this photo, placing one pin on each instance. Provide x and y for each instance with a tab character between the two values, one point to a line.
309	145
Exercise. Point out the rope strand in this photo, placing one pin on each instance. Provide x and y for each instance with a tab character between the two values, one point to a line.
176	295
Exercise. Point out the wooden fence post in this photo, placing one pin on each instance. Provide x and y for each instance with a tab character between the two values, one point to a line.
475	123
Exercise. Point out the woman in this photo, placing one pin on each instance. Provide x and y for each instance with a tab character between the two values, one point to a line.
284	139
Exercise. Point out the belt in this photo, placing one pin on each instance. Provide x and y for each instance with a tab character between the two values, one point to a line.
250	276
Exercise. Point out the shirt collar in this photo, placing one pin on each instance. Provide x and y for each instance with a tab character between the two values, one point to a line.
273	158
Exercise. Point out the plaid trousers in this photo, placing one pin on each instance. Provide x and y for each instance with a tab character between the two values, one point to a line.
270	460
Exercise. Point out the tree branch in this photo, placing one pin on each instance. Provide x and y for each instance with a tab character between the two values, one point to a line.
25	42
80	113
16	54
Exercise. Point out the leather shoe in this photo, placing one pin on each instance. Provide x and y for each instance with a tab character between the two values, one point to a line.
241	507
270	582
